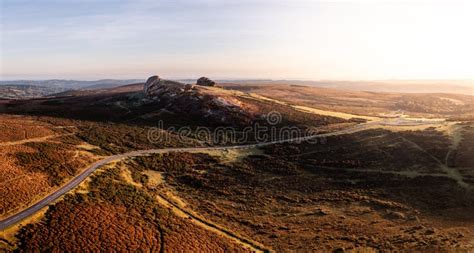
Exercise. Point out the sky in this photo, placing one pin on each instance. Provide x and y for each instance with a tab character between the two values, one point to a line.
260	39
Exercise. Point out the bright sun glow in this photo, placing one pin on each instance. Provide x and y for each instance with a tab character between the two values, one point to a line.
238	39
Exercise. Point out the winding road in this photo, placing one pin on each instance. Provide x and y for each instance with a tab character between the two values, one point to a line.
15	218
87	172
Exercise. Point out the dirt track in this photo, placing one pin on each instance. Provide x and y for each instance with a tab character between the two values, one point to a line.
183	212
39	139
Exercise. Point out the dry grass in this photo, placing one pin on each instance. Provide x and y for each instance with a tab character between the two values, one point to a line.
102	227
32	167
288	201
366	103
13	128
8	236
154	178
17	185
117	216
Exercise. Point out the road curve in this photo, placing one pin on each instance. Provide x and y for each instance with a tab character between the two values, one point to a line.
9	221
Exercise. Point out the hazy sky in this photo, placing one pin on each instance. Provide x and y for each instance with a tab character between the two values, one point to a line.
237	39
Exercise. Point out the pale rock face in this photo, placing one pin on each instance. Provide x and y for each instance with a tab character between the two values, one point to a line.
227	102
155	86
188	99
152	80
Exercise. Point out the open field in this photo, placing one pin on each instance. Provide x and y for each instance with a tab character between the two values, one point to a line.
117	215
34	166
305	205
19	186
452	106
377	181
17	128
366	185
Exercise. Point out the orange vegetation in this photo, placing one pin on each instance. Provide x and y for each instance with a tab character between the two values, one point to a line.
116	216
99	227
19	128
18	186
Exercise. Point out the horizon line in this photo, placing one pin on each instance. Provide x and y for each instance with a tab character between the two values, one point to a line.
248	79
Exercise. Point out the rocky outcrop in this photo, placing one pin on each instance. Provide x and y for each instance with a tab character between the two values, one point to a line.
155	87
204	81
151	81
188	86
194	100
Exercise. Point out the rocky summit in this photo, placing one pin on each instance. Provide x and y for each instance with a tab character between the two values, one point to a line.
202	100
155	86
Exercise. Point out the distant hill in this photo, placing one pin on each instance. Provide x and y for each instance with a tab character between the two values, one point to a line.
134	87
22	89
111	83
27	91
73	84
26	88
